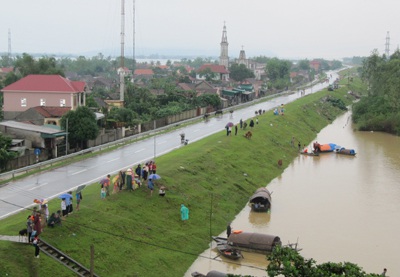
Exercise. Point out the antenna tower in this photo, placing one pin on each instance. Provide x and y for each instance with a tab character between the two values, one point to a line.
387	44
122	70
133	47
9	47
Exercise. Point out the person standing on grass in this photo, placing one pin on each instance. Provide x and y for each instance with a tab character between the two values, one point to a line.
64	207
103	193
241	123
150	185
236	129
35	243
37	224
107	184
121	179
184	213
145	171
70	207
29	227
138	171
78	199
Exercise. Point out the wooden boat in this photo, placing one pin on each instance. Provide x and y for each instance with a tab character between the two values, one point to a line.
309	153
344	151
260	201
229	252
251	242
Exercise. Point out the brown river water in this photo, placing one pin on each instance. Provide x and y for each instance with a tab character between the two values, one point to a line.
339	208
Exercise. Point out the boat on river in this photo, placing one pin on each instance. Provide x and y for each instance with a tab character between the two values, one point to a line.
229	252
251	242
260	201
345	151
324	148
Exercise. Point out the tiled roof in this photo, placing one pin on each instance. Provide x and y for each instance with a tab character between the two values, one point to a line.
163	66
216	68
186	86
6	69
143	72
52	111
45	83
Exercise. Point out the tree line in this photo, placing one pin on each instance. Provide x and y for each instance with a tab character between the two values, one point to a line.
379	109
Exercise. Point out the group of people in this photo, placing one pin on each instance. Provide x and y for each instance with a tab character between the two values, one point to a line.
37	221
131	179
279	110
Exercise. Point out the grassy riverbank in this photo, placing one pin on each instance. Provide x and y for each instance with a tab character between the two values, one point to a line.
138	235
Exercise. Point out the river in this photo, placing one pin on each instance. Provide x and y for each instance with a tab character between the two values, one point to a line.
339	208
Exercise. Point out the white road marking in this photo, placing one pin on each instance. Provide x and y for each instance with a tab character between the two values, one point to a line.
162	142
79	172
140	150
195	130
38	186
112	160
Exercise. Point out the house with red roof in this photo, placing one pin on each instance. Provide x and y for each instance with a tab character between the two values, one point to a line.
42	90
4	71
219	72
42	115
145	73
315	64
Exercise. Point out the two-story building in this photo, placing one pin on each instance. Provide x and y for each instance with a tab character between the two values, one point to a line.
42	90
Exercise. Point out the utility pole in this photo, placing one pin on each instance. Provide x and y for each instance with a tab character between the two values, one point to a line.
121	69
134	33
9	48
66	138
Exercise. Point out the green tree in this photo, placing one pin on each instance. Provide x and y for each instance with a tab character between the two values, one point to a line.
278	69
208	74
122	115
240	72
5	155
28	65
304	65
82	126
285	261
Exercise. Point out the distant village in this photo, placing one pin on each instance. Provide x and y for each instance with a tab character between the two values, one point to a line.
34	105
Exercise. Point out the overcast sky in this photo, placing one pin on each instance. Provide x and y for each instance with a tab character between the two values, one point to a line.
280	28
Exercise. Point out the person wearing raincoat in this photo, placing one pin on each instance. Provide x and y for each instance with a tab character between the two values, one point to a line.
128	179
184	213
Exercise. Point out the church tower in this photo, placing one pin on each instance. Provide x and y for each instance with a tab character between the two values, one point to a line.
223	58
242	58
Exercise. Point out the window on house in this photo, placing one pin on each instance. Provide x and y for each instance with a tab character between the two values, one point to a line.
23	102
42	102
62	102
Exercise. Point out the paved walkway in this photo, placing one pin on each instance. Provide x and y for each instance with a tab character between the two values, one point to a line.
14	238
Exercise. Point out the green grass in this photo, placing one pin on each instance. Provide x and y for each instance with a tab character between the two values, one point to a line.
17	260
138	235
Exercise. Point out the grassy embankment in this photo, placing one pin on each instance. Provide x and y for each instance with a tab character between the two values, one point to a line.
138	235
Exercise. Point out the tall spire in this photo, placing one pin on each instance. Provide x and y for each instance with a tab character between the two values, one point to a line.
224	58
